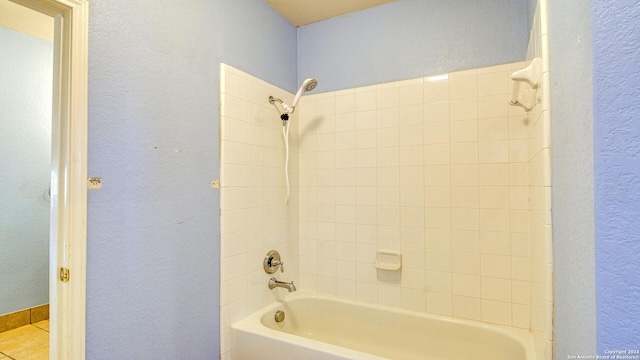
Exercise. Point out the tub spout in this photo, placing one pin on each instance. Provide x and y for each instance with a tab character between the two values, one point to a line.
274	283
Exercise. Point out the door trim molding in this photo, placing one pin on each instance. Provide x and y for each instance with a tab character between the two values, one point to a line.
68	175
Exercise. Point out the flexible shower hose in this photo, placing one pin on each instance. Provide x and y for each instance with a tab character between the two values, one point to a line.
285	135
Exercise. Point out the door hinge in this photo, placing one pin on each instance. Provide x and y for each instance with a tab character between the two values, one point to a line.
64	274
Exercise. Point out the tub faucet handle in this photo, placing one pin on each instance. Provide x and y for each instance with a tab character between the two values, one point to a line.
277	263
272	262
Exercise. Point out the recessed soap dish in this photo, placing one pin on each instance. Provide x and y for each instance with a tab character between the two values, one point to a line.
388	260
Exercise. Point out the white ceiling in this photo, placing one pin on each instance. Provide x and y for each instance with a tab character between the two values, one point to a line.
303	12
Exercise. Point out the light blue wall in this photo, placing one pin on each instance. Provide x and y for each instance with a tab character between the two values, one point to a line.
26	70
531	11
616	82
153	228
572	178
412	38
596	176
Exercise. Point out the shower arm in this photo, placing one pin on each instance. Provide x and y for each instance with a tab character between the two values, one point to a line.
285	115
287	109
274	99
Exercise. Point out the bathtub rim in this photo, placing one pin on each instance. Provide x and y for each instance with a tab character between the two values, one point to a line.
253	323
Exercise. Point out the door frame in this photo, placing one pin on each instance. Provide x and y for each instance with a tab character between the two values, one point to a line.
68	225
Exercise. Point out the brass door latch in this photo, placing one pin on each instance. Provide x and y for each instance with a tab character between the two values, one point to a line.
64	274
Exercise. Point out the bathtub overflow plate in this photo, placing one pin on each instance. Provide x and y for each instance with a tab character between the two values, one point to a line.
279	316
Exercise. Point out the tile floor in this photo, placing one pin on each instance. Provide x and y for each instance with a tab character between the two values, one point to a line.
30	342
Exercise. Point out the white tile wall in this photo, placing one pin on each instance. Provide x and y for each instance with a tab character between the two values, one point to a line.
539	219
254	218
438	168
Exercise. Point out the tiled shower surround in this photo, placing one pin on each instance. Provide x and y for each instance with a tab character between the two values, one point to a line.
540	193
439	168
254	217
436	168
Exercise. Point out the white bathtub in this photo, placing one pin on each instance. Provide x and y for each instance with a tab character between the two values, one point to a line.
325	328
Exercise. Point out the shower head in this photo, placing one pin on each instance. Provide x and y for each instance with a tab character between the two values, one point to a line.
307	85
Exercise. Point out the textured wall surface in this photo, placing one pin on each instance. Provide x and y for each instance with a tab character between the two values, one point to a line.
531	10
407	39
154	228
572	179
616	82
25	119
